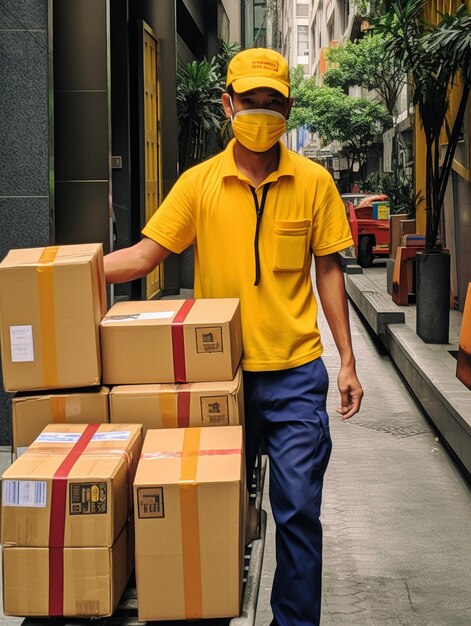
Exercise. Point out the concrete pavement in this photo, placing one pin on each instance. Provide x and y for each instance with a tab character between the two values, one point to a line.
396	512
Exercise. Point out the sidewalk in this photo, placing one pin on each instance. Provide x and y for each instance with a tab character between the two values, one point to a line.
429	370
397	511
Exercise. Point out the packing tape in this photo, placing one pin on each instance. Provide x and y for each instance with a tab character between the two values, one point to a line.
57	522
191	551
45	275
183	407
175	454
58	409
178	342
174	405
167	403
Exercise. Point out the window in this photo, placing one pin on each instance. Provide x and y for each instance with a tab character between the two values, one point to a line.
303	41
302	9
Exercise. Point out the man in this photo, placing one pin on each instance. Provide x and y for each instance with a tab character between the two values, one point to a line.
256	213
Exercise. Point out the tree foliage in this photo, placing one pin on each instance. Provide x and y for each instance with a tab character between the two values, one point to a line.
357	123
200	115
369	64
433	57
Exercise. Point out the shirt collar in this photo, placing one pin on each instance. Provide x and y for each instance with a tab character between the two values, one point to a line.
229	167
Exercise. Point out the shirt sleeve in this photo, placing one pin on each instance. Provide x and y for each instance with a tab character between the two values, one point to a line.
331	230
173	224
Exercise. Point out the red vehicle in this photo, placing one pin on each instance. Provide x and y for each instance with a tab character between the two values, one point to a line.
369	223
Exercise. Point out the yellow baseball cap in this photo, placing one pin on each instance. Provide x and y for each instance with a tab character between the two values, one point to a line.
258	67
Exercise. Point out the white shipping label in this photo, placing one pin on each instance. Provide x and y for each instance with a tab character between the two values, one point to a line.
156	315
161	315
58	437
118	435
24	493
21	342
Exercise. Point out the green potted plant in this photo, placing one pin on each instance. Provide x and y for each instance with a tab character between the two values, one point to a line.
199	112
434	57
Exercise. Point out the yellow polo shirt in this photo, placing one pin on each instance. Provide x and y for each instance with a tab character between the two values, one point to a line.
211	206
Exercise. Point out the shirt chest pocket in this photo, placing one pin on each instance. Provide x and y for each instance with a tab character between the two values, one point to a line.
290	245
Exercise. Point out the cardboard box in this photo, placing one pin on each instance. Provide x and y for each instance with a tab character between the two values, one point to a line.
72	487
51	303
172	405
381	210
90	582
395	234
189	495
32	413
164	341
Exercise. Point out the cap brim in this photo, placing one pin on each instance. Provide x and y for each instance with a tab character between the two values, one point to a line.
254	82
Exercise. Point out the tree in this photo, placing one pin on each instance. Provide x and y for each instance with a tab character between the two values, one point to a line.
434	58
200	115
366	63
357	123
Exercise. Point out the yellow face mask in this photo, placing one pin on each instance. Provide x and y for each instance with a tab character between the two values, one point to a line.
258	129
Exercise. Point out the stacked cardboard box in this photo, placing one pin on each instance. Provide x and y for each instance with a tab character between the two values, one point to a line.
66	503
176	367
166	341
65	551
189	496
32	413
51	303
173	405
64	518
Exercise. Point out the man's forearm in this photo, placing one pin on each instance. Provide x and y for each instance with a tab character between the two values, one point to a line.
120	267
331	289
332	294
134	262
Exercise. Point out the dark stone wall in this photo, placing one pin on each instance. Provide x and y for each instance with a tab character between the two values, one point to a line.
24	139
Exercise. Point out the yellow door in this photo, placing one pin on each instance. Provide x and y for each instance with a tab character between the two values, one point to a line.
152	155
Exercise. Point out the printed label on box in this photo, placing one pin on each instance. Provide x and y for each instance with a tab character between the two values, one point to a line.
87	498
215	410
21	343
117	435
24	493
209	339
50	437
383	212
131	317
150	502
157	315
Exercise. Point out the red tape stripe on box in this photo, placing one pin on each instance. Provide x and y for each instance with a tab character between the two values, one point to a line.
57	522
178	342
183	408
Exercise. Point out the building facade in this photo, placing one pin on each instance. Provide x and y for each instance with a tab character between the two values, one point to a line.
88	120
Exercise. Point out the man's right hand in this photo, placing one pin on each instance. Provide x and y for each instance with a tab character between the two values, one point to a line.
134	262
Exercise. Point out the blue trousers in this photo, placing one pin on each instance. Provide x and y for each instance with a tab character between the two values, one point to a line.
288	409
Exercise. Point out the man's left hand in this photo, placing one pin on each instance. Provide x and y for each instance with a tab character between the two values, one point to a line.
351	393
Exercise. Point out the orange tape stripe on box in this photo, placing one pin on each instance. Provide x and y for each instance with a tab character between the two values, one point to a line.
167	403
58	409
190	525
174	406
45	274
